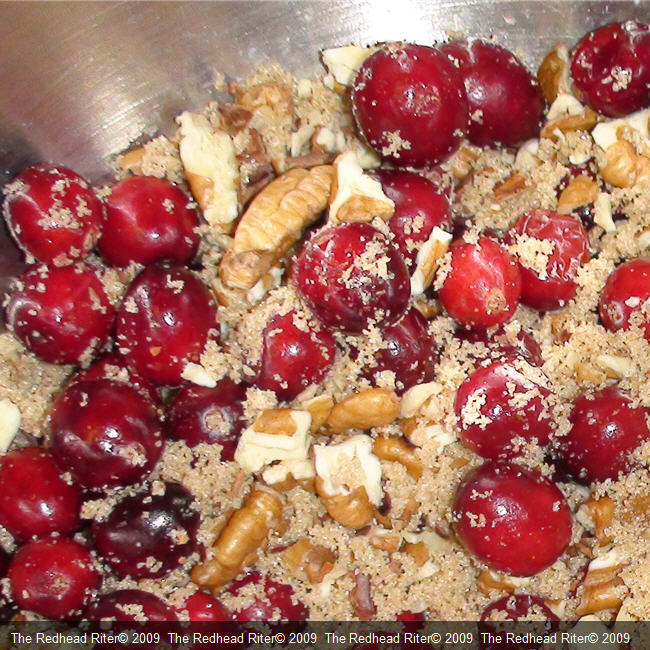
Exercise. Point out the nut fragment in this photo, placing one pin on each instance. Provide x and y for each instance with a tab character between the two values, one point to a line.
582	190
428	260
10	419
344	62
489	581
418	551
371	408
384	540
625	167
353	510
514	184
310	561
462	162
603	588
566	123
602	514
553	73
319	408
615	366
399	451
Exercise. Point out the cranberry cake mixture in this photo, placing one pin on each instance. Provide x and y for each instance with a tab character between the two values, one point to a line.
368	346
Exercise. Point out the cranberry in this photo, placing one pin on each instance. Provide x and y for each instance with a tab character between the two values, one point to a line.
501	344
34	498
295	354
204	607
410	105
351	275
419	208
53	214
605	430
611	68
164	322
512	518
626	292
60	314
554	285
105	433
148	219
407	616
499	403
198	414
130	605
497	85
53	576
483	285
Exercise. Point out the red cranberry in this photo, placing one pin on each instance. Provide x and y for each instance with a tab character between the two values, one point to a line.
555	285
512	518
105	433
407	616
164	322
204	607
611	68
410	104
130	605
295	354
148	219
351	275
34	498
61	314
53	214
501	344
483	285
198	414
499	403
605	430
53	576
497	85
419	207
626	292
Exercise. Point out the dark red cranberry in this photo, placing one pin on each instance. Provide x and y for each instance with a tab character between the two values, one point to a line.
502	344
410	105
552	287
483	285
351	275
295	354
499	403
198	414
61	314
147	220
147	535
164	322
408	616
204	607
610	68
626	292
130	605
419	207
53	577
497	85
605	431
105	433
34	498
512	518
53	214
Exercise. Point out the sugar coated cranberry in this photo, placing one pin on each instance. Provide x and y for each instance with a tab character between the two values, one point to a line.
552	284
105	433
149	534
147	220
53	577
34	498
164	322
295	354
130	605
512	518
409	103
60	314
501	343
502	406
497	84
204	607
605	430
351	275
517	607
610	68
199	414
483	285
53	214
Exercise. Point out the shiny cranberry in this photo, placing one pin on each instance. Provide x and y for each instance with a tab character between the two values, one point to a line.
198	414
554	285
512	518
610	68
410	104
419	207
130	605
501	403
351	275
626	292
204	607
497	85
164	322
408	616
105	433
53	576
295	354
60	314
605	431
53	214
502	344
34	498
483	285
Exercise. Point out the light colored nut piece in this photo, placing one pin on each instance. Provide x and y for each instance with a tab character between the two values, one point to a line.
384	540
615	366
417	396
553	73
307	560
428	260
621	166
319	408
276	422
399	451
603	216
427	307
353	510
603	589
418	551
602	514
584	122
371	408
462	162
582	190
511	186
608	132
587	374
131	161
197	374
344	62
10	419
489	581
